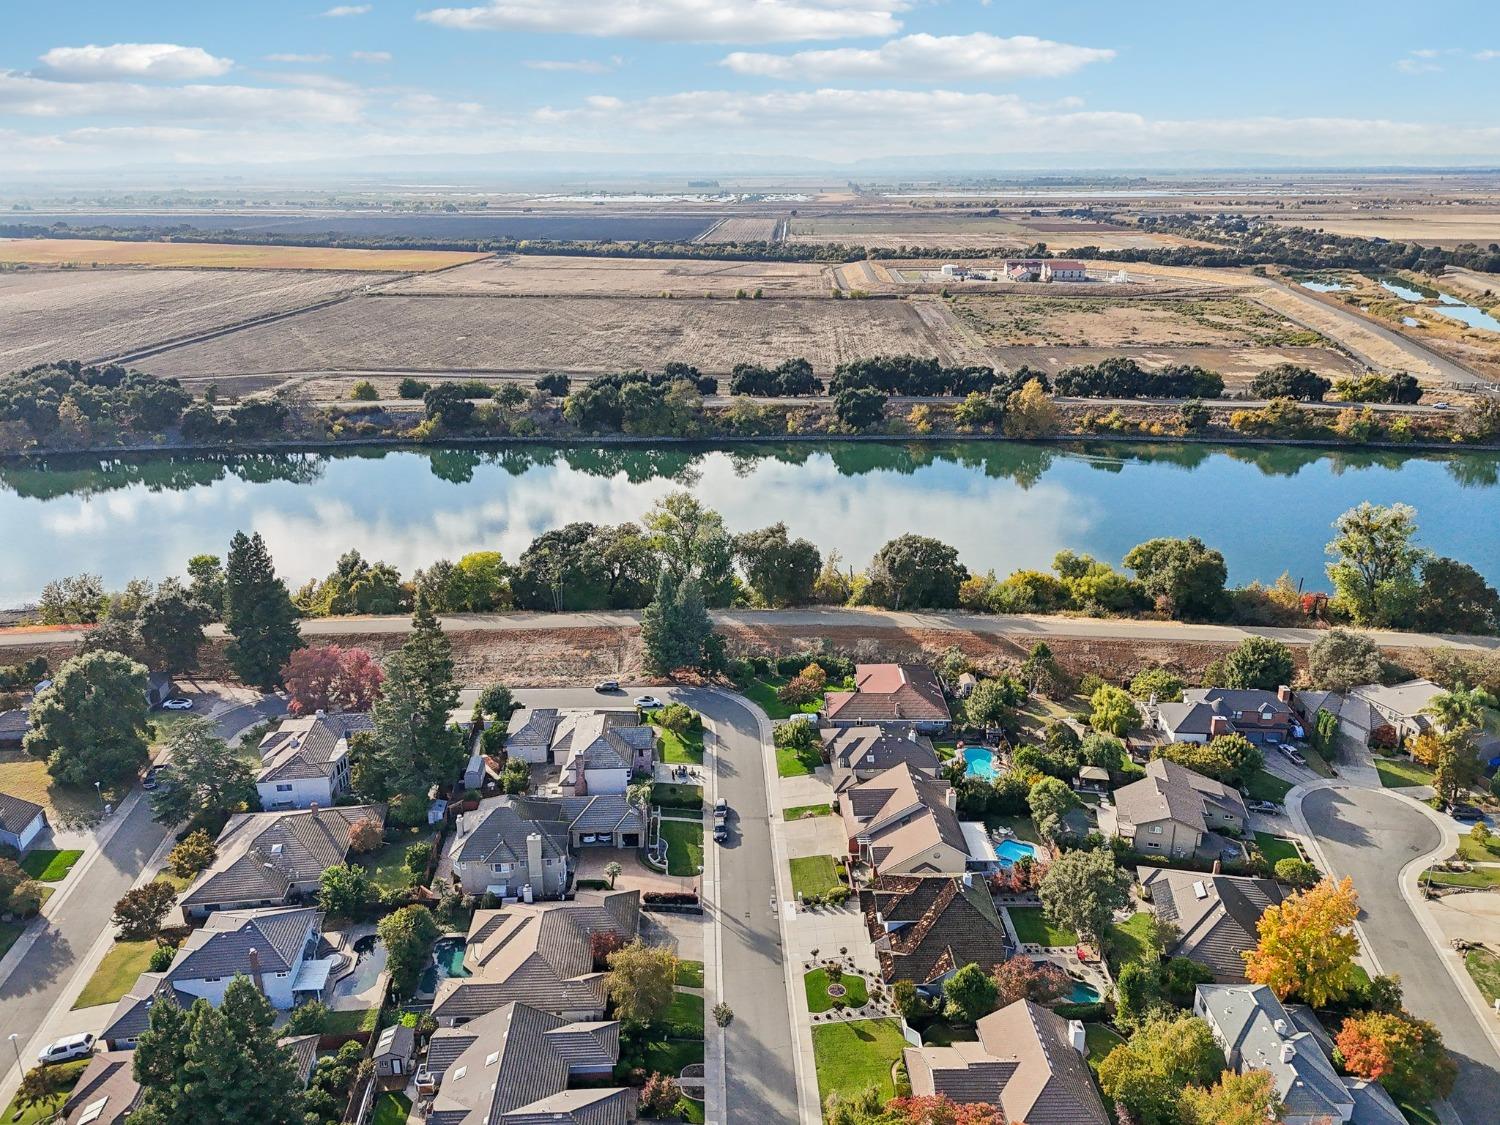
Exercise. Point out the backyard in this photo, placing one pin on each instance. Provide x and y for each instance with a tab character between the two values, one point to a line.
1127	940
1100	1040
854	1055
387	863
815	875
684	839
391	1108
1032	927
125	961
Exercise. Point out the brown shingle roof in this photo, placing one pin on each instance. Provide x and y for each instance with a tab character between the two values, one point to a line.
941	925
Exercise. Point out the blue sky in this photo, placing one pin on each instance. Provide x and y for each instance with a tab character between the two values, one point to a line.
85	84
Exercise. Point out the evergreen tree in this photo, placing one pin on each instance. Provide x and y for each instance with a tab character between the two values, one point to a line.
90	724
676	629
414	745
258	612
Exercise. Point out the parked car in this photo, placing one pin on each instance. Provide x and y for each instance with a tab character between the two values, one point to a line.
607	685
721	832
71	1047
648	703
1465	812
1292	754
177	704
1263	806
721	807
151	779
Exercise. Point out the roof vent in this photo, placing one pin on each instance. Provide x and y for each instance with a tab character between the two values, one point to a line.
276	849
1199	890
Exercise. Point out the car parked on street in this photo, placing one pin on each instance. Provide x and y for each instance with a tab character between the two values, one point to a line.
607	686
70	1047
177	703
648	703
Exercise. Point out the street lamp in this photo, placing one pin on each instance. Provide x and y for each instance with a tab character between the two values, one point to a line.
14	1042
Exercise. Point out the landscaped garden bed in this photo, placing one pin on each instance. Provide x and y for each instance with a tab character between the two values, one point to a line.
826	991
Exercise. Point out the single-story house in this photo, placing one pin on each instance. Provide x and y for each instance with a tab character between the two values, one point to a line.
394	1051
1206	713
902	822
1173	811
305	761
1387	715
859	753
925	930
22	822
106	1091
598	750
1215	915
1256	1032
515	1066
274	858
498	849
538	953
13	727
907	694
1028	1062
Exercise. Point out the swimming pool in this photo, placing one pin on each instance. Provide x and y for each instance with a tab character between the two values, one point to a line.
449	955
979	762
1011	852
1083	993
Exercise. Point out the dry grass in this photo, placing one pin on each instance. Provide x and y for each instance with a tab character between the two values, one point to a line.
86	253
26	777
744	228
938	228
1431	226
1106	322
565	276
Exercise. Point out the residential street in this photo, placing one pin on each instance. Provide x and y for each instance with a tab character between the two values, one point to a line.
1370	836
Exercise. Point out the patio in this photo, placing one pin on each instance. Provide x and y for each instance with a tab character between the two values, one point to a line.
634	875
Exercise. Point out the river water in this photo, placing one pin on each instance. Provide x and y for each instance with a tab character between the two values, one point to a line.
1003	505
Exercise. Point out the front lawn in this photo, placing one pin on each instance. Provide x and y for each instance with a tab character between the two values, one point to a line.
690	974
1032	927
857	1054
1480	877
684	846
1276	848
1127	940
856	993
798	763
66	1075
815	875
50	866
670	795
125	961
1266	786
762	692
685	1015
680	749
26	777
1475	852
391	1108
1484	967
804	812
1100	1040
1396	773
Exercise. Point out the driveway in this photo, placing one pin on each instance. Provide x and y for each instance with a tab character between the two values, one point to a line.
1370	836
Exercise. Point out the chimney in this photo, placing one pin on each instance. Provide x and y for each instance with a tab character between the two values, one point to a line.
255	974
1280	1026
1078	1037
968	878
1218	725
1284	694
534	862
312	807
912	734
1287	1052
950	798
1217	867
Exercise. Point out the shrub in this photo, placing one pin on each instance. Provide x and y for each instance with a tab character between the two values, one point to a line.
417	857
191	856
412	388
1298	872
364	391
365	835
161	958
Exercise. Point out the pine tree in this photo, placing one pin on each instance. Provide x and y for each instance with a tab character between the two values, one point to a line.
414	745
675	627
258	612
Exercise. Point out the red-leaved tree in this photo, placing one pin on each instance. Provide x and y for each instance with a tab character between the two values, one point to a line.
938	1109
331	678
1402	1053
1021	978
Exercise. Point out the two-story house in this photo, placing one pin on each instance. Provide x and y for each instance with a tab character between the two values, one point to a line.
499	850
305	762
902	822
1207	713
859	753
1174	811
925	930
596	750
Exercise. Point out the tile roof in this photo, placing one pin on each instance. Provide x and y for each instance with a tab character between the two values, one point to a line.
16	813
309	746
890	693
869	748
14	724
940	925
903	814
132	1012
1216	926
304	1051
109	1076
222	946
1173	792
500	832
605	812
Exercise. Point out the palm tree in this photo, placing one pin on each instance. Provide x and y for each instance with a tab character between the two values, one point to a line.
1462	707
612	872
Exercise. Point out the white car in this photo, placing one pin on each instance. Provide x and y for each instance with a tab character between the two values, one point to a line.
72	1047
648	703
1292	754
178	704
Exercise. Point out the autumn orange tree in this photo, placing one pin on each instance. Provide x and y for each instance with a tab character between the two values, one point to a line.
1402	1053
937	1109
1307	944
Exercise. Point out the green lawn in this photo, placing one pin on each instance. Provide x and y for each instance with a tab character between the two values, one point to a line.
9	932
680	749
1483	877
815	875
1032	926
802	812
857	1054
856	994
1266	786
1475	852
1127	940
67	1075
49	866
125	961
685	1015
690	974
798	763
669	1056
1484	967
1023	827
1276	848
176	882
763	693
387	864
348	1022
684	846
670	795
391	1109
1101	1041
1398	772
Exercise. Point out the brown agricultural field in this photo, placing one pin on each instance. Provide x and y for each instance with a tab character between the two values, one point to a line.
1430	226
743	228
86	253
584	335
537	275
1105	322
89	314
944	228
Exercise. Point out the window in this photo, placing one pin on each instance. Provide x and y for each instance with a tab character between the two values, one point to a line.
1156	830
283	788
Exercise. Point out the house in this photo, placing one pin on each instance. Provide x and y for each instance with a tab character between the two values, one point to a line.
106	1091
1028	1062
13	727
907	694
394	1051
1215	915
274	858
159	689
608	820
22	822
901	822
305	762
859	753
598	750
304	1052
925	930
538	953
277	949
1174	811
500	851
1206	713
514	1066
1256	1032
1388	716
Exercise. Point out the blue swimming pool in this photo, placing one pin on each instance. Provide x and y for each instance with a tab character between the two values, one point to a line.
980	762
1012	851
1083	993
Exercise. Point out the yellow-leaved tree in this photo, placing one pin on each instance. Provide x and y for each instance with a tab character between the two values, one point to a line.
1307	944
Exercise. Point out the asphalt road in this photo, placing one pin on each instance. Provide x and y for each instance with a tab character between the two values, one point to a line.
1013	624
759	1048
45	972
1370	836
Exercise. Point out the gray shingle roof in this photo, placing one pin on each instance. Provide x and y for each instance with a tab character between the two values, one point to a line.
1215	926
307	748
606	812
132	1011
13	725
304	1051
500	836
397	1040
1173	792
222	947
535	732
16	813
872	748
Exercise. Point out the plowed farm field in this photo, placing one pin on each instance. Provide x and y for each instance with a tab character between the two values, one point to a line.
537	275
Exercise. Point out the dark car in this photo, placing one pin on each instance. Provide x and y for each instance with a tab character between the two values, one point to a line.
1465	812
1263	806
155	778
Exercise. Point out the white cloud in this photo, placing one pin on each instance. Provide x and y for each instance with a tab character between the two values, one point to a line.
578	66
371	56
28	96
134	60
688	21
294	58
1486	56
344	10
926	58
